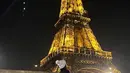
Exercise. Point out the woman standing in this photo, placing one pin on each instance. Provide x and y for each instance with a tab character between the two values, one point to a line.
62	65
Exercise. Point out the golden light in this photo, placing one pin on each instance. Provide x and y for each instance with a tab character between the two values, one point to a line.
110	68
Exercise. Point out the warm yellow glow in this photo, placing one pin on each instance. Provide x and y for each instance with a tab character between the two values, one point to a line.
80	8
92	69
93	40
70	6
71	38
110	68
62	40
84	38
68	41
70	10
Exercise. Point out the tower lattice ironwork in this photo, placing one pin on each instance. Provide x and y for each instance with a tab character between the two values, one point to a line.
76	43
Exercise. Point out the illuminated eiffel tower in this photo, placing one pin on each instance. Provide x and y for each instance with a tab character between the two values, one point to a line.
76	43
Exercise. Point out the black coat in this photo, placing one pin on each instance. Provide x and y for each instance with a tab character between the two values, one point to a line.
64	70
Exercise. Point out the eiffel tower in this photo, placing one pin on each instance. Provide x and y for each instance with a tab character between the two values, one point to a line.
76	43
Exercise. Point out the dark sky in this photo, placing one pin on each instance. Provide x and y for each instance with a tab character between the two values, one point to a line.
24	40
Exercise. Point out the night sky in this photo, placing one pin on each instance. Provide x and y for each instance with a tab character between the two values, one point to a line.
26	35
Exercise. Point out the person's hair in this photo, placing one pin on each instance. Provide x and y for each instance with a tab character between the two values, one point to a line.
59	57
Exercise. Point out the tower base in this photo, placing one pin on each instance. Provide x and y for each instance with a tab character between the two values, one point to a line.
79	63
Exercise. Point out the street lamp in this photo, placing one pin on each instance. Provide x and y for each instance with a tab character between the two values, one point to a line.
35	65
110	68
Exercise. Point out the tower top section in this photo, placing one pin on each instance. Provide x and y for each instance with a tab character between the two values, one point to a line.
71	6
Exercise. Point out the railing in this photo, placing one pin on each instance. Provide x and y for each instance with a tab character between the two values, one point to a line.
103	54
